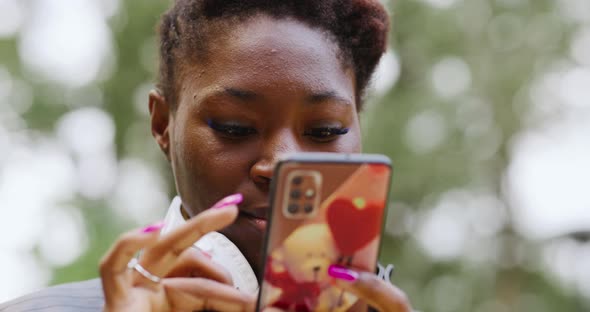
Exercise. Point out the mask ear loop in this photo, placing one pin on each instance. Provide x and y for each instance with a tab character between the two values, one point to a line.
158	91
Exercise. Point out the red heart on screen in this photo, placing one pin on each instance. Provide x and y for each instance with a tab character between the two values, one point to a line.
353	225
378	168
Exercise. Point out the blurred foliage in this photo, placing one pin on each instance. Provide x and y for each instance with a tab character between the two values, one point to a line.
503	44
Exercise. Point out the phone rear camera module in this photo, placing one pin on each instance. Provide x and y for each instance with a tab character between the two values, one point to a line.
293	208
301	194
295	194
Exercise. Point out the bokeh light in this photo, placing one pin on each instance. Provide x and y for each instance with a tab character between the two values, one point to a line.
482	105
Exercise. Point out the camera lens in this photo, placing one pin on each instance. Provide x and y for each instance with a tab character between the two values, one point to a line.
295	194
297	180
293	208
308	208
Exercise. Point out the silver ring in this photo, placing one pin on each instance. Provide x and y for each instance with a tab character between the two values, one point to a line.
134	264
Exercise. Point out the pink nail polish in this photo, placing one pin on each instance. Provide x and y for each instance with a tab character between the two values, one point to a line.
229	200
153	227
342	273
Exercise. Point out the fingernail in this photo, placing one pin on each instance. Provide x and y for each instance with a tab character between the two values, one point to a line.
342	273
153	227
230	200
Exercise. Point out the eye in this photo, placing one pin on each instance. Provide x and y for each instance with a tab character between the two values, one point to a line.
325	134
231	129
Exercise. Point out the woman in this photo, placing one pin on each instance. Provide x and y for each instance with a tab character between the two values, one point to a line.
241	84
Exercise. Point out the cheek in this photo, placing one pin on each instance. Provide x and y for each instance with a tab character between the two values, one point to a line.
205	168
356	145
351	143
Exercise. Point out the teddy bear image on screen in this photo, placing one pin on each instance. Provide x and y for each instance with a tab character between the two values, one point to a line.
298	270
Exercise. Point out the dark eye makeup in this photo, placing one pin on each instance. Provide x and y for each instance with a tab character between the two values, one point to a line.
325	133
232	130
235	130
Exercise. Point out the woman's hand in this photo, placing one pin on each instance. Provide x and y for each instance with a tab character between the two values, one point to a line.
368	287
191	282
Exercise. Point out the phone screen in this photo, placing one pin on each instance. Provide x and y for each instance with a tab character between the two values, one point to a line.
324	213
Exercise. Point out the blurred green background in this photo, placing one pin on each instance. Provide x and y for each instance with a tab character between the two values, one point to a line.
483	105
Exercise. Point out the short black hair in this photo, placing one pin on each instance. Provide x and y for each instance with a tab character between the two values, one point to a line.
358	27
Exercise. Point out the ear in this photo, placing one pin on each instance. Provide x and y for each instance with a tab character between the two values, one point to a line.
160	121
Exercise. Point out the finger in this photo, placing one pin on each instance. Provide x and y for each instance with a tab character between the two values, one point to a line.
198	294
113	266
195	263
371	289
160	258
205	222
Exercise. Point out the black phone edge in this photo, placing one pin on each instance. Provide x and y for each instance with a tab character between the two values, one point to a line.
319	157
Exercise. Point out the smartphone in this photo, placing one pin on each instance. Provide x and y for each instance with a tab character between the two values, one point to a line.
326	209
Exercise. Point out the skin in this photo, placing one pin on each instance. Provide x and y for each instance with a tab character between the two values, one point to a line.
281	80
293	75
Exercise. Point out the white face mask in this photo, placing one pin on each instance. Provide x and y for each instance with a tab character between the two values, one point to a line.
221	249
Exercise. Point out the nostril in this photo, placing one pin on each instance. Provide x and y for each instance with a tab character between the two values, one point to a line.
316	268
262	184
261	179
261	173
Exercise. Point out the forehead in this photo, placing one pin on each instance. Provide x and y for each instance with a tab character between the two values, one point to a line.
265	52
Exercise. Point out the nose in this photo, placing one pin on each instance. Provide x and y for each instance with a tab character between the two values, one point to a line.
272	149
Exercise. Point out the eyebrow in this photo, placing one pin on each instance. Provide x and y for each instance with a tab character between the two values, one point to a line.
326	96
315	98
241	94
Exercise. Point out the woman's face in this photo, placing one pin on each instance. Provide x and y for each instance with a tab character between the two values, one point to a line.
267	88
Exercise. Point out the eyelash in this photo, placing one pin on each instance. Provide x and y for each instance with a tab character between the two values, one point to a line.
321	134
325	134
231	130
